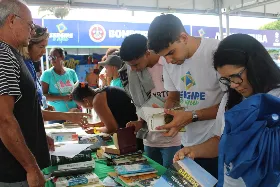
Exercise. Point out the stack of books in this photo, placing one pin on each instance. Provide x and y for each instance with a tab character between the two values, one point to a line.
74	171
132	175
131	167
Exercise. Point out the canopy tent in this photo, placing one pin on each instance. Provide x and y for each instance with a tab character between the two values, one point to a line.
252	8
258	8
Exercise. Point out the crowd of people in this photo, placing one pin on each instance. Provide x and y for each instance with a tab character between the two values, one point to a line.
207	77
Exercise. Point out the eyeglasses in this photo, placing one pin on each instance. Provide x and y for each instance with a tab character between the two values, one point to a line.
31	25
52	58
235	78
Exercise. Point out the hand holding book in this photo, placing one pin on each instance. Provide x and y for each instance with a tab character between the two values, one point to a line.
185	152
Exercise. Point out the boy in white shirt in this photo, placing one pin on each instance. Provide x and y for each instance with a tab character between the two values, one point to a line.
135	54
190	78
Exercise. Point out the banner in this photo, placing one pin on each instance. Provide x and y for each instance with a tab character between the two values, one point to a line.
92	34
37	22
269	38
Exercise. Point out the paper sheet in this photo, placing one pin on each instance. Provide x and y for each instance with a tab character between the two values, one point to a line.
69	150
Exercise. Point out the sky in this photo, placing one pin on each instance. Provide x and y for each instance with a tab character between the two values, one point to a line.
147	17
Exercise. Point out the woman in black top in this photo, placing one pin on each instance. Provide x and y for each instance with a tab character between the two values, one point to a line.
112	105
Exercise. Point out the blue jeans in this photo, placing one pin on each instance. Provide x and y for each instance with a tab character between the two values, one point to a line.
16	184
162	155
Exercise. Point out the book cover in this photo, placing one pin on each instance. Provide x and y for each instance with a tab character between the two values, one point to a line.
130	159
124	142
147	182
81	157
95	140
133	169
131	181
186	173
74	171
76	180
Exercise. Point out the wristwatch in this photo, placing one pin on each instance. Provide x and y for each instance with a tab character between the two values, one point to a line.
194	116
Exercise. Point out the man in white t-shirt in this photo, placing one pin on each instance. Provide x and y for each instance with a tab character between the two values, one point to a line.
135	53
190	78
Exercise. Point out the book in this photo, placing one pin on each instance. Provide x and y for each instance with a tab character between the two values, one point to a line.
149	103
62	136
95	140
81	157
131	181
73	171
186	173
101	154
147	182
134	169
156	117
75	180
130	159
124	142
77	165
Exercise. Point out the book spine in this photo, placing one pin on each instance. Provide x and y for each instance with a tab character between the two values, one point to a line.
77	165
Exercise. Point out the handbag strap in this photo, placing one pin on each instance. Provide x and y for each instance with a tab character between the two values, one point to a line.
60	90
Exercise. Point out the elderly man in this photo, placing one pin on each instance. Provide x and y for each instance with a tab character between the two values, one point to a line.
23	145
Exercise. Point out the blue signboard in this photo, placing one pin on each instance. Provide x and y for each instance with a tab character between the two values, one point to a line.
109	34
269	38
62	32
91	34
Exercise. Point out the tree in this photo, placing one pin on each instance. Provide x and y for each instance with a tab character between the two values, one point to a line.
275	25
59	12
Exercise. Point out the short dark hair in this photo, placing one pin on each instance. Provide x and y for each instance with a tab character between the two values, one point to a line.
133	47
82	91
245	51
60	51
164	30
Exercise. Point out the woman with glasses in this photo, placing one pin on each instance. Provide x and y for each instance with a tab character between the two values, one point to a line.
32	55
58	82
246	68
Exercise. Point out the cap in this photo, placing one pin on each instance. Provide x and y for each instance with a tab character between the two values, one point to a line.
112	60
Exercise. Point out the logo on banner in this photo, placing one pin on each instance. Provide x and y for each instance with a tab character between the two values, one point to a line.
276	40
97	33
188	98
61	35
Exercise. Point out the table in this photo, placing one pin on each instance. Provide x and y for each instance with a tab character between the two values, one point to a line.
102	170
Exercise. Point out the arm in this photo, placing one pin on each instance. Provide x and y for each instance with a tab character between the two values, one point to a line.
11	136
172	100
75	117
208	113
49	97
208	149
101	108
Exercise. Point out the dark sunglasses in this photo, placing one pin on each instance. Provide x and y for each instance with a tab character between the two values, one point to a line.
52	58
234	78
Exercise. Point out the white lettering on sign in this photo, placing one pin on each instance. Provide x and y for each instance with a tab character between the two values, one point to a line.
260	37
61	35
125	33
